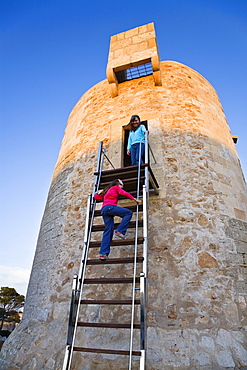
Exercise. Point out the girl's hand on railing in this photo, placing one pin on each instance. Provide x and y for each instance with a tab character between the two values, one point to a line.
138	201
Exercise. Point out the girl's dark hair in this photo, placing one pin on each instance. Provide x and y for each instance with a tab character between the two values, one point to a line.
113	183
132	119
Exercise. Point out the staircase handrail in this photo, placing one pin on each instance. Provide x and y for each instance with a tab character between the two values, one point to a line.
77	290
136	245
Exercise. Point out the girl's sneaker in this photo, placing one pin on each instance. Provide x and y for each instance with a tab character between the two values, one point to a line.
103	257
120	235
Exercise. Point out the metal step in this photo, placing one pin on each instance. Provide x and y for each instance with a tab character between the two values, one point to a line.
132	224
114	261
107	325
118	242
109	351
120	302
124	171
131	191
127	182
127	280
132	208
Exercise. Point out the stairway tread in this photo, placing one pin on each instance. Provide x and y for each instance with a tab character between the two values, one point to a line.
132	208
126	181
132	192
112	261
109	351
121	302
121	170
118	242
111	280
132	224
107	325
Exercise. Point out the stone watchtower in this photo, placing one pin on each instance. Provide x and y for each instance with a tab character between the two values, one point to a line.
197	224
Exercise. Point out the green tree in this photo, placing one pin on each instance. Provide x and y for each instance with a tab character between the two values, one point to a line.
10	304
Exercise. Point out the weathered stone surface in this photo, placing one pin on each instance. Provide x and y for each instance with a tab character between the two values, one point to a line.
205	260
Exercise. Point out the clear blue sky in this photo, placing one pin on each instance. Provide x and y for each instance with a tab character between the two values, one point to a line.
52	51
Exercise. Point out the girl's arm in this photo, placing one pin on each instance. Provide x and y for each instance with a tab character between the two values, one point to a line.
128	195
138	201
125	193
129	142
98	196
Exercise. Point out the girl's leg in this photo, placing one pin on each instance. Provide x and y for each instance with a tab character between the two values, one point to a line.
133	154
142	153
108	232
138	153
126	215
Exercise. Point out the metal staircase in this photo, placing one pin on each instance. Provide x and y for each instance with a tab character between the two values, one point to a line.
138	180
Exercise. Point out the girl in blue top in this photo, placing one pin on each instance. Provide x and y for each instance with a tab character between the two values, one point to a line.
136	136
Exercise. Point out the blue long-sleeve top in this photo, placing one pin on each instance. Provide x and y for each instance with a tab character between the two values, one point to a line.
136	136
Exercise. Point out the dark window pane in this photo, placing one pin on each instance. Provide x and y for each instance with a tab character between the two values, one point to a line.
134	72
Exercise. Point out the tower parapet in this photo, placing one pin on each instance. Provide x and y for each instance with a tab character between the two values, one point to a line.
132	49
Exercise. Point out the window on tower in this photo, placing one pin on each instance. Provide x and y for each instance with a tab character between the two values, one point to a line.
134	72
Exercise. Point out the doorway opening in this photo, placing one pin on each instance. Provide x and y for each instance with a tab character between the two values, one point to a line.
126	161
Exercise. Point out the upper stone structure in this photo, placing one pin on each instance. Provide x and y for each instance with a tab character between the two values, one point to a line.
132	48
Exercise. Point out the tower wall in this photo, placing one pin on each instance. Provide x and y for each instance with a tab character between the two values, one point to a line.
197	228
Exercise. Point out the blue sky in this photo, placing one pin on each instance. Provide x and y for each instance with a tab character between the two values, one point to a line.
52	51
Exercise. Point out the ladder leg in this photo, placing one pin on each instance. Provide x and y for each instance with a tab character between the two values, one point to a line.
143	329
66	358
143	360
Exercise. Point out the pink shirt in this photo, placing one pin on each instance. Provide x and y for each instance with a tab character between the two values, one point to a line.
112	195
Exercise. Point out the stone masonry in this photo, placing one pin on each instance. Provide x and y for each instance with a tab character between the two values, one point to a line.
197	230
130	49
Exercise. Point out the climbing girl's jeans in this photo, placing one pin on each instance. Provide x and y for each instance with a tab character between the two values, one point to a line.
134	153
108	213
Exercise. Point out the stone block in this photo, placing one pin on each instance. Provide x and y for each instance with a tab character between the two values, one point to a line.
240	214
143	29
204	359
131	33
224	359
242	287
241	247
152	43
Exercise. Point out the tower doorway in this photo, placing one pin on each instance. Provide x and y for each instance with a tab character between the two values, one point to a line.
126	161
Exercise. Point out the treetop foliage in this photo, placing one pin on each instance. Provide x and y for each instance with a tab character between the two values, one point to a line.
11	300
10	304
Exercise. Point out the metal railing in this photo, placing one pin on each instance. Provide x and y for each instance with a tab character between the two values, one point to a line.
78	280
143	275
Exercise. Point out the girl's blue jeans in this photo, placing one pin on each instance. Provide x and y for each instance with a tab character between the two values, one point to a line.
135	151
108	212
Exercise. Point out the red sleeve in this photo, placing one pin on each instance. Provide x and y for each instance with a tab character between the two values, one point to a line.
98	197
125	193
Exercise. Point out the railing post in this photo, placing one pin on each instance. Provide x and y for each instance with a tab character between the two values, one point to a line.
79	280
145	230
143	331
68	350
143	283
146	161
86	233
98	167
